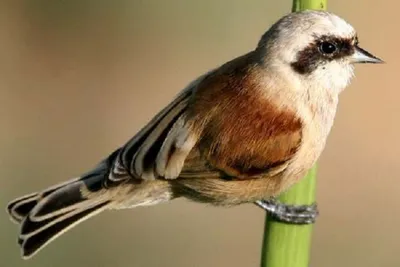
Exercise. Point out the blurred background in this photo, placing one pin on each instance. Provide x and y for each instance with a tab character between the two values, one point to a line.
79	78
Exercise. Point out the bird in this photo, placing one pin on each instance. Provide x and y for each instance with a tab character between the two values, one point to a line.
243	132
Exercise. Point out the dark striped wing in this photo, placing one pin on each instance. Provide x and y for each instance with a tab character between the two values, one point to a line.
158	150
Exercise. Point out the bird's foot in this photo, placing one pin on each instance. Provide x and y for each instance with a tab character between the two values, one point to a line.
291	214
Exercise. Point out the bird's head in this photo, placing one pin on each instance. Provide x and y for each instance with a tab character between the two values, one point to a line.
316	47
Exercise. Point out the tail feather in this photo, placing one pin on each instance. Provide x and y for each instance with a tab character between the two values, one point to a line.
46	215
38	235
69	197
19	208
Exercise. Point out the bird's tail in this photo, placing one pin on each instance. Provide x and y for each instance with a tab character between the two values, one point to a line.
46	215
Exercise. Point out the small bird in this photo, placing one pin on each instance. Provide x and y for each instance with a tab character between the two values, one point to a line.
242	133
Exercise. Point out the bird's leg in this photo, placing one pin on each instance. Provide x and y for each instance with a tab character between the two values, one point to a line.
291	214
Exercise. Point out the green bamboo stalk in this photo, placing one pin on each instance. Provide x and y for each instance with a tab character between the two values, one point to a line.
308	4
288	245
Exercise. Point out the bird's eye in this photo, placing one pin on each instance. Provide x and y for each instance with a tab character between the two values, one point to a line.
327	48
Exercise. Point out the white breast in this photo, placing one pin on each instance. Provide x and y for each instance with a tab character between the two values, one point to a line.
318	116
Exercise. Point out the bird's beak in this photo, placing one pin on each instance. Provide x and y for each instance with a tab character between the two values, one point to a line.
362	56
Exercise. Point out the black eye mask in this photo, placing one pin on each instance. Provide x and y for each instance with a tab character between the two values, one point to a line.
323	49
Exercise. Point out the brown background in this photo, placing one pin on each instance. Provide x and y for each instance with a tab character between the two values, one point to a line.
79	78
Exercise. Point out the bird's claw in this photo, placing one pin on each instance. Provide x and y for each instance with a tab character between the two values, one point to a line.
291	214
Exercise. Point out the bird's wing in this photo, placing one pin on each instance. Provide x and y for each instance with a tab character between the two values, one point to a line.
147	154
226	130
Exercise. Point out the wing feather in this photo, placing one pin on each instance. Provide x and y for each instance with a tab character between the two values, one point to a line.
139	156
